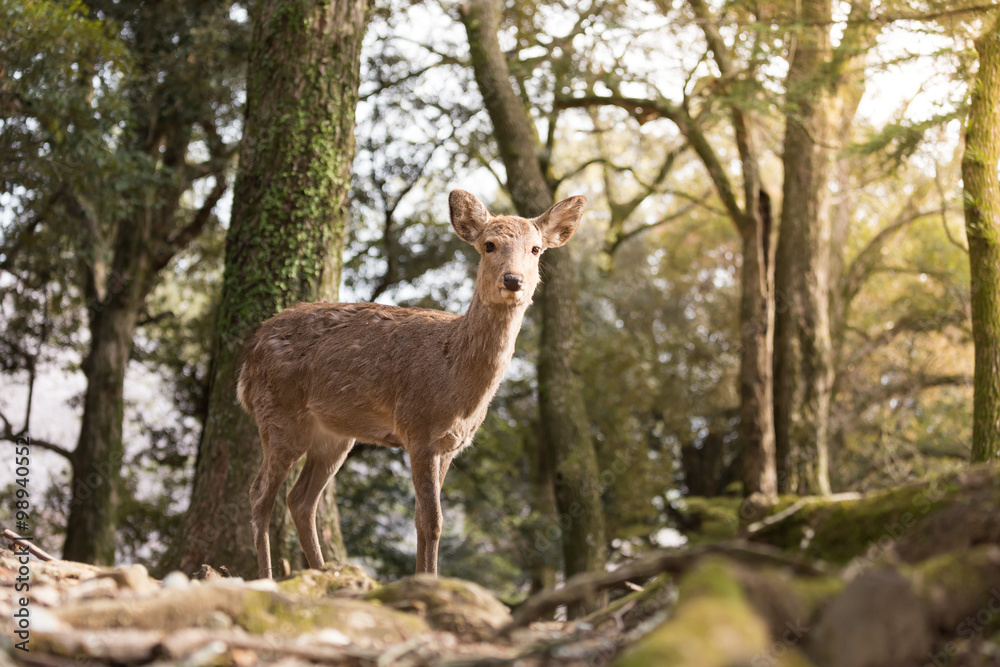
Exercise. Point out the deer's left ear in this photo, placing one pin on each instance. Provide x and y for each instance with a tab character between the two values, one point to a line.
560	222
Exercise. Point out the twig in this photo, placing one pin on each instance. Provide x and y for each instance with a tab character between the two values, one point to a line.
588	584
40	554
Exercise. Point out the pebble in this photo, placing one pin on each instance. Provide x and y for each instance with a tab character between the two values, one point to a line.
176	580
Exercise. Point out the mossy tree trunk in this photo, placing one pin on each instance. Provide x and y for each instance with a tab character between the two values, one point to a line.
563	417
982	225
284	246
803	351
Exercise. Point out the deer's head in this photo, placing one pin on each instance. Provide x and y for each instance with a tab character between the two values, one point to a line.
510	246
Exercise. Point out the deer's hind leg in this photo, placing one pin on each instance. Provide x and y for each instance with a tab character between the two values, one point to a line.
281	450
323	461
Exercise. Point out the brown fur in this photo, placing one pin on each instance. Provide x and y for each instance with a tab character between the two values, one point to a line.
319	376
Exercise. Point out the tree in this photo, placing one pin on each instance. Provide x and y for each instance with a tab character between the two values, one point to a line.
284	246
982	224
562	413
735	92
114	173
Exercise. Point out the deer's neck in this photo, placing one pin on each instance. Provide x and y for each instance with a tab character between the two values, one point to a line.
484	343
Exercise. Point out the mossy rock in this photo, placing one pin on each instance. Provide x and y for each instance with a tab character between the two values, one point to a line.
961	590
714	625
913	521
709	520
170	610
257	611
335	579
362	622
877	621
453	605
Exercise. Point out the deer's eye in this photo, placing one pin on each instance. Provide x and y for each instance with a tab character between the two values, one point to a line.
490	246
535	250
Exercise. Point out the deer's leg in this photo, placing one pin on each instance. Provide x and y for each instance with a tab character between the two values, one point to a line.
273	471
446	460
322	462
426	470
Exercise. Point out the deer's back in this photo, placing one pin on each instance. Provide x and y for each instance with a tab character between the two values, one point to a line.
363	370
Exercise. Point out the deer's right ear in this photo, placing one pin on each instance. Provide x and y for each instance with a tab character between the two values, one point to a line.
468	215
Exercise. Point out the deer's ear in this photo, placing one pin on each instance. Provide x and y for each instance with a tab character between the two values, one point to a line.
559	223
468	215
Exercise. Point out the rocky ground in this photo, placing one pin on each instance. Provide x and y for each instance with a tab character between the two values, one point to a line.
910	576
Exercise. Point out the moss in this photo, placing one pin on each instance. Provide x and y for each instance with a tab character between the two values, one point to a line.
343	578
838	531
714	625
962	588
362	622
714	519
712	577
454	605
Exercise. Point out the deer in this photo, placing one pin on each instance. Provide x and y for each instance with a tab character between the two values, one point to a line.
318	377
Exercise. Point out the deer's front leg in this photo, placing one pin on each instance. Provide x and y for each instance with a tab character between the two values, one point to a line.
426	472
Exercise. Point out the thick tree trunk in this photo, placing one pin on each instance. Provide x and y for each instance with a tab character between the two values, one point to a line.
562	412
98	457
284	246
982	225
803	353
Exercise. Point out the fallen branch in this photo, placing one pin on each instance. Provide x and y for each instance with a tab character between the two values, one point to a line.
588	584
38	553
794	508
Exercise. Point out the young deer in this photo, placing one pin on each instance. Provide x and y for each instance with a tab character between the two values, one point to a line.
319	376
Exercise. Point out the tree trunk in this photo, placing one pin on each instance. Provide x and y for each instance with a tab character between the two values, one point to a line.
98	457
757	331
115	301
284	246
803	354
982	224
563	416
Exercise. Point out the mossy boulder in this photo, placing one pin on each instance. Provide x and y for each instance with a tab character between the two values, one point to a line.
911	522
453	605
340	579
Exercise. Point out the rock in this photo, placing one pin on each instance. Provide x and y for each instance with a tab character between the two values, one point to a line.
134	578
93	589
208	573
334	579
257	612
910	522
46	595
961	589
878	621
117	646
454	605
176	580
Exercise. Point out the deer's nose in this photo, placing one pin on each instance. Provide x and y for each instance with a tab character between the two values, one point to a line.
512	282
